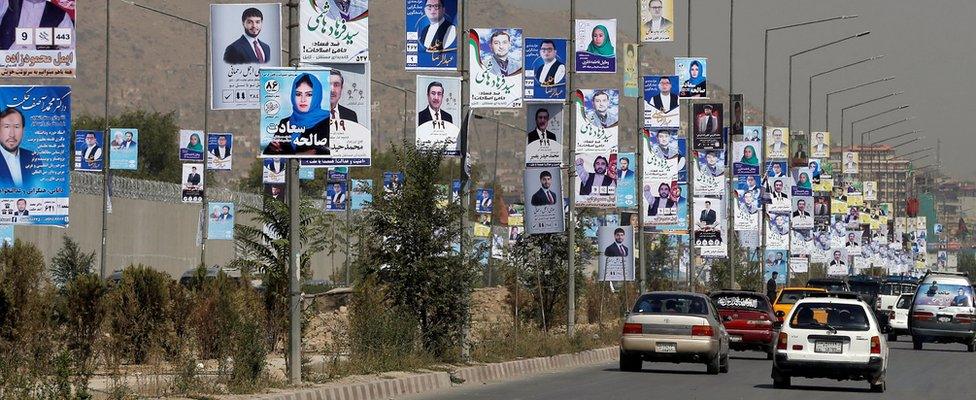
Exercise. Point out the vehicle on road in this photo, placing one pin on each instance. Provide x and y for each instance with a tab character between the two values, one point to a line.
892	287
789	296
830	284
942	311
867	286
899	318
674	327
748	318
848	346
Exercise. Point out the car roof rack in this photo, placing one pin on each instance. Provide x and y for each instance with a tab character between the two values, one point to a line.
838	295
930	272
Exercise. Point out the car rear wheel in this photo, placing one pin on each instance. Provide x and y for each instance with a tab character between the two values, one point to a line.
971	346
917	343
878	387
630	362
714	365
725	364
780	381
892	337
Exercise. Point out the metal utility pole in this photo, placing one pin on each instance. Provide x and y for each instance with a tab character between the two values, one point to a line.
570	174
294	236
103	266
810	86
789	79
691	176
639	229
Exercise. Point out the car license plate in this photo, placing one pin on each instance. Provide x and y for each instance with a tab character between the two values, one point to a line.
735	338
945	318
828	347
666	347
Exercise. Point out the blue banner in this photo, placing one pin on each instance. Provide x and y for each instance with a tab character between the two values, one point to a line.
221	221
295	113
88	151
484	199
125	149
220	152
626	180
335	196
362	193
545	69
432	35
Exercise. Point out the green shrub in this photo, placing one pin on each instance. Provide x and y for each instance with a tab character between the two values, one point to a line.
139	313
71	262
383	337
83	314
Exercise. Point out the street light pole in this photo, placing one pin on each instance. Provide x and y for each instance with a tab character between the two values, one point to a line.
902	107
103	266
789	79
897	136
403	132
844	110
849	88
868	132
810	86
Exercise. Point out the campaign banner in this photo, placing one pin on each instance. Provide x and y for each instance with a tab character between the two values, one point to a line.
125	149
392	181
870	190
709	226
483	200
747	204
838	232
37	40
193	183
820	145
544	135
752	133
243	39
710	173
274	170
36	121
495	57
456	191
853	242
362	193
295	113
746	159
821	246
220	224
335	196
777	143
798	141
692	73
334	31
545	69
776	261
631	78
306	173
220	150
851	163
543	200
778	231
350	122
431	35
597	112
88	151
708	130
596	41
191	145
802	183
275	191
778	190
616	260
736	120
665	204
626	180
799	265
837	266
662	108
656	18
7	235
821	207
438	103
499	237
595	182
664	155
801	241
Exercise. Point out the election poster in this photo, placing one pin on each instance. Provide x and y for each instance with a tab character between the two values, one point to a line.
7	235
664	155
334	31
631	81
801	241
88	151
306	173
657	20
544	135
220	151
335	195
125	149
821	246
243	39
596	41
777	143
350	126
616	260
778	231
597	112
838	232
191	145
710	173
626	180
543	200
851	163
776	261
431	35
38	119
665	204
495	56
275	191
545	69
483	200
747	204
798	142
692	73
295	113
595	182
710	226
737	119
838	263
746	159
661	106
752	133
38	41
220	221
362	193
709	130
853	242
274	170
392	181
799	264
778	191
802	183
438	104
870	190
820	145
192	183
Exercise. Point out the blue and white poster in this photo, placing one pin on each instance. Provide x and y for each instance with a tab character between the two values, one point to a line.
125	149
362	193
294	113
274	170
39	121
692	73
392	181
350	140
220	224
88	151
335	196
542	188
220	151
597	120
626	180
334	31
545	69
456	191
191	145
431	34
595	45
746	158
495	57
306	173
661	106
484	200
776	261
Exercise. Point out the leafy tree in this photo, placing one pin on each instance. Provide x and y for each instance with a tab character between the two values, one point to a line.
661	262
158	142
70	263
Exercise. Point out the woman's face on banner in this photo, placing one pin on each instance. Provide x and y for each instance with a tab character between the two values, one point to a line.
598	37
694	70
303	97
747	152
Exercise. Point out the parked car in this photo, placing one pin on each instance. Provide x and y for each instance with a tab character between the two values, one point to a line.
678	327
830	284
787	297
848	346
942	311
899	318
748	318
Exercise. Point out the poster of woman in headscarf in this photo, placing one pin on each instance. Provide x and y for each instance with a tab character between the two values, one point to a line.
334	31
597	113
295	113
664	157
710	173
495	57
802	186
662	109
692	72
350	139
431	34
545	69
746	159
595	45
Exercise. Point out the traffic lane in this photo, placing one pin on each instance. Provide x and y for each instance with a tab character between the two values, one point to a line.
936	372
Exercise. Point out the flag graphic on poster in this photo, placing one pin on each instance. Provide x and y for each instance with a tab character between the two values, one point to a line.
543	200
334	31
665	204
545	69
662	108
431	35
708	130
293	126
220	222
336	194
544	135
597	112
777	143
220	151
192	183
38	39
692	73
710	226
626	180
595	182
243	39
820	145
664	155
657	20
631	81
439	113
88	151
125	149
483	200
350	120
710	173
495	57
596	41
616	260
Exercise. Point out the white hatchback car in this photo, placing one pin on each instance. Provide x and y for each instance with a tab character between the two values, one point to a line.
831	335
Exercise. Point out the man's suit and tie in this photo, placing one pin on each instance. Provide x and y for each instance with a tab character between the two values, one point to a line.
543	198
193	179
27	170
221	154
426	116
626	174
346	114
707	124
659	103
708	217
534	135
242	51
616	250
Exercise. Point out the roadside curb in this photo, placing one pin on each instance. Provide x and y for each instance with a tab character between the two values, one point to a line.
428	382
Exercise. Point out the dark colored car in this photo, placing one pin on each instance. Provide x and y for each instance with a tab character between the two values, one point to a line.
833	285
749	319
868	287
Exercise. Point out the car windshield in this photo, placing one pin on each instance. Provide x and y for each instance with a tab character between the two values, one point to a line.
664	303
839	317
904	302
741	300
793	296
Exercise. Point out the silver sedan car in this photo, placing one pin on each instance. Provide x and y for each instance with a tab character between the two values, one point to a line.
674	327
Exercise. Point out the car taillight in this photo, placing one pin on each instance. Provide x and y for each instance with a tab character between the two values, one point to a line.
633	329
781	343
921	315
965	318
702	330
875	345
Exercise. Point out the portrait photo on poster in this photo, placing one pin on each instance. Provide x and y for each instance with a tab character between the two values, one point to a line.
88	151
350	126
709	130
710	172
656	18
595	181
193	182
496	56
220	221
626	180
220	150
820	145
543	200
692	72
597	113
273	170
662	108
125	149
191	145
665	155
544	135
746	158
799	144
616	247
295	113
596	41
37	39
438	107
431	34
736	120
243	39
335	196
545	69
777	143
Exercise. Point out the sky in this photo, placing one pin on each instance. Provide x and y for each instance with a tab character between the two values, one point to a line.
926	48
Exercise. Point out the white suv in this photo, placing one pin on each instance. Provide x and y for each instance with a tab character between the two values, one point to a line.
831	335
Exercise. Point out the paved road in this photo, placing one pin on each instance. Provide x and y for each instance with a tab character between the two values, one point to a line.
937	372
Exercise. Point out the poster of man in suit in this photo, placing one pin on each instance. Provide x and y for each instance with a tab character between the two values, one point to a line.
661	106
657	20
431	35
544	135
220	221
484	200
596	180
220	150
88	151
193	184
41	31
709	226
495	56
243	38
438	110
616	259
709	130
334	31
543	200
545	69
350	138
597	113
